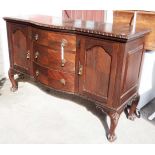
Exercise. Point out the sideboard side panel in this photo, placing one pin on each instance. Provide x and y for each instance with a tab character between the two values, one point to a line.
132	68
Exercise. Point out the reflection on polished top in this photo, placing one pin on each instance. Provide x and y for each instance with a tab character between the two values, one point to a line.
77	25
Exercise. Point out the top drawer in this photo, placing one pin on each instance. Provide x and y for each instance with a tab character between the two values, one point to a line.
54	39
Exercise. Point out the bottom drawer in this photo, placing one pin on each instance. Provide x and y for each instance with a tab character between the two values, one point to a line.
55	79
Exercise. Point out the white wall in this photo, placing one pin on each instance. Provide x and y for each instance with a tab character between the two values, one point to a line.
19	7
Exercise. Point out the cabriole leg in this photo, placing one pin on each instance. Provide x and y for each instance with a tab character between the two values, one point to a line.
13	81
114	117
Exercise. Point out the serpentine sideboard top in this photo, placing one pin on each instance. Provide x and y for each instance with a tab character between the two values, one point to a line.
105	30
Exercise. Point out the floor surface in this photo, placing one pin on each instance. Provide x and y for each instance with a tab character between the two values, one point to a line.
33	115
148	111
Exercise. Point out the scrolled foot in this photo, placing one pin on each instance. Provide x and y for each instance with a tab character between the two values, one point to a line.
111	138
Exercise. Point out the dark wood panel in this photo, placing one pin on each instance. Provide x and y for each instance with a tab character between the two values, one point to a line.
133	65
21	55
97	71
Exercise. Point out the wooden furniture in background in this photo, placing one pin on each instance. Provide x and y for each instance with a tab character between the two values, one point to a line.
96	61
94	15
145	19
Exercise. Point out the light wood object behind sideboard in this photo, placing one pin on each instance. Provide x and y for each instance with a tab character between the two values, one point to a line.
145	19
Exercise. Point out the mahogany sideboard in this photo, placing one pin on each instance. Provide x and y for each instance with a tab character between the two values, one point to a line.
97	61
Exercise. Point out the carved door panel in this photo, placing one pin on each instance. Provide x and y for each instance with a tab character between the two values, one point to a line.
19	47
95	61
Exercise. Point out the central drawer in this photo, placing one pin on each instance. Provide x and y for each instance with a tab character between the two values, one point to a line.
52	58
54	78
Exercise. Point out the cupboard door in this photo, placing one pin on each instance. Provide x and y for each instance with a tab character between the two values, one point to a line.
20	54
95	68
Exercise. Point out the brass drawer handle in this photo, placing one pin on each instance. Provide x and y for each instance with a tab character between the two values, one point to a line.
62	81
63	44
36	37
37	73
36	55
28	54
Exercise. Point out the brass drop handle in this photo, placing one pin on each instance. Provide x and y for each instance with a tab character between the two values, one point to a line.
28	54
80	69
37	73
36	55
62	81
36	37
63	44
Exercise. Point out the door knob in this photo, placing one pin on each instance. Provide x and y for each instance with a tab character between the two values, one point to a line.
80	69
36	37
37	73
28	54
62	81
36	54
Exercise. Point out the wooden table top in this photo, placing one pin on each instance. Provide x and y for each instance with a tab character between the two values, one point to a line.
119	31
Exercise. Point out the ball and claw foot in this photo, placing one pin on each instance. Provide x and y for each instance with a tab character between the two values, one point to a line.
111	138
132	117
13	89
132	110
